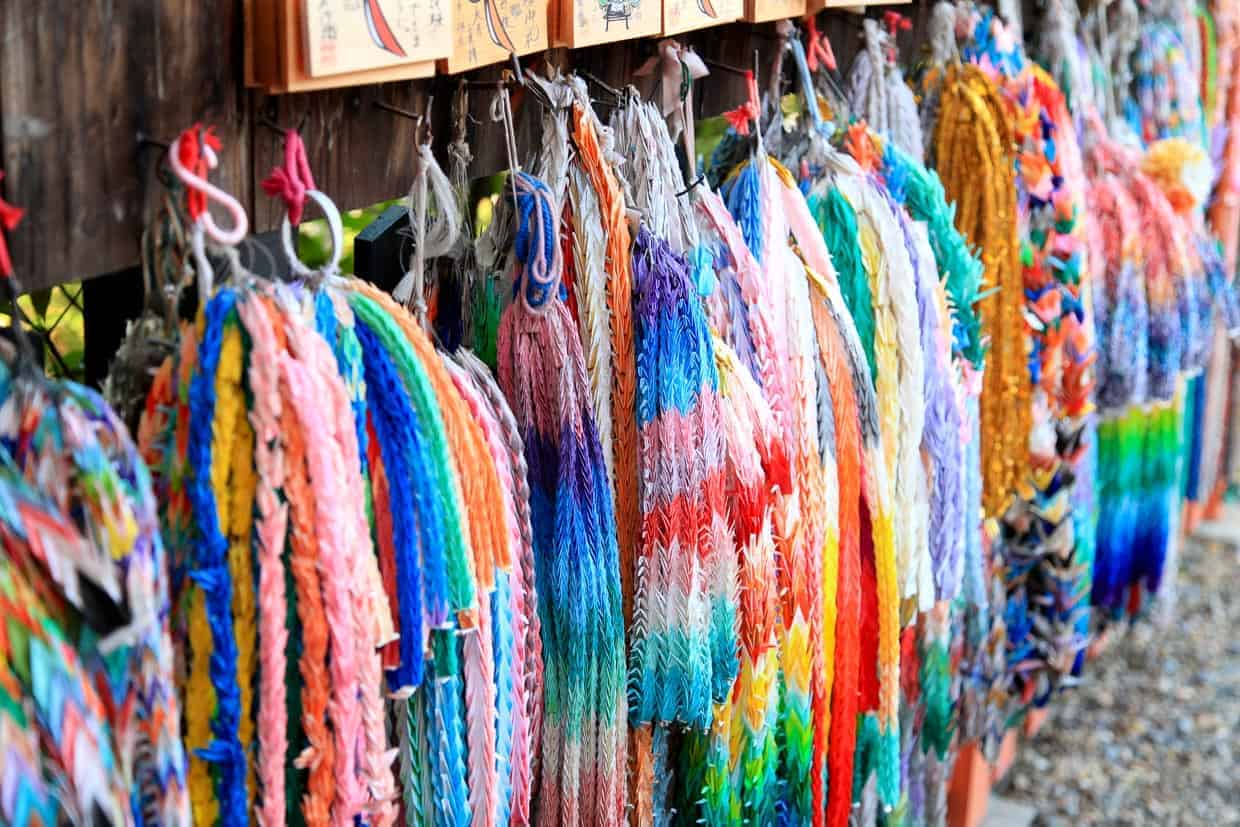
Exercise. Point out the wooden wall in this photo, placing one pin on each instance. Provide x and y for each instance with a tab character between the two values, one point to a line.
81	80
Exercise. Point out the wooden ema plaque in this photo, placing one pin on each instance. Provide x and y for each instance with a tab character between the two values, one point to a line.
762	11
488	31
857	6
687	15
344	36
276	58
591	22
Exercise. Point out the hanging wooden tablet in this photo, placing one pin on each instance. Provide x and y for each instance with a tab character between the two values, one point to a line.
590	22
489	31
761	11
686	15
856	6
292	74
361	35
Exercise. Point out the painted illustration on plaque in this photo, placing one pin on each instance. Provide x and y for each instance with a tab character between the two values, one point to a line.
360	35
686	15
617	11
491	31
495	26
380	31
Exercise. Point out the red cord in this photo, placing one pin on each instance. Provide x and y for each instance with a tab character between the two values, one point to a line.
291	181
10	216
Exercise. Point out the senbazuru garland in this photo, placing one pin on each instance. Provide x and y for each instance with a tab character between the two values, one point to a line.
745	488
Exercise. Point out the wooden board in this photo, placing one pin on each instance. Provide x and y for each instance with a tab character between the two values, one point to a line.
591	22
488	31
351	36
762	11
80	81
293	76
686	15
815	6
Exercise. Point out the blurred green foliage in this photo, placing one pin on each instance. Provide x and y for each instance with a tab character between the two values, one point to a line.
53	317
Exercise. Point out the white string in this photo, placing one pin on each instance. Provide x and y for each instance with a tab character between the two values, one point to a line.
941	32
335	229
431	189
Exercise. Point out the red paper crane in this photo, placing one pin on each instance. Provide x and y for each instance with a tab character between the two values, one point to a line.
896	23
818	51
9	218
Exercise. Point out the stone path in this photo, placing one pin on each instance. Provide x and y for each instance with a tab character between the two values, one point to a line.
1153	735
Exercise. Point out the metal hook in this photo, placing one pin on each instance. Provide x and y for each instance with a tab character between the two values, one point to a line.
145	140
490	84
592	78
282	130
535	88
396	110
426	119
723	67
419	120
697	183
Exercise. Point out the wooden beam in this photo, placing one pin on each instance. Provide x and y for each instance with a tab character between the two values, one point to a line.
80	81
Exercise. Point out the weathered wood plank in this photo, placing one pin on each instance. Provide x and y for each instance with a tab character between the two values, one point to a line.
80	79
78	82
360	154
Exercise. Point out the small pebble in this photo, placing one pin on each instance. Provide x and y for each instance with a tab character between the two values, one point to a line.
1150	735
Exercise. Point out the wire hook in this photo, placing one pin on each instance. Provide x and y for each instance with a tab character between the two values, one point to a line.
197	147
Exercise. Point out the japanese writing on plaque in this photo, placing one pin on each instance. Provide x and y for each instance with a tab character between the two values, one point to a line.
685	15
489	31
357	35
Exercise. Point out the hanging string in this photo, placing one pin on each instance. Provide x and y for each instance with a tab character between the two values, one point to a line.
270	529
536	243
846	665
431	195
972	135
752	712
210	448
682	639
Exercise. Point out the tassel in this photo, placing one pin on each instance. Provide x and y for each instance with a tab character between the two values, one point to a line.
444	718
305	382
619	287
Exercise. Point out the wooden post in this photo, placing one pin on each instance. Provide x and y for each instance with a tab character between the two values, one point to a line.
968	793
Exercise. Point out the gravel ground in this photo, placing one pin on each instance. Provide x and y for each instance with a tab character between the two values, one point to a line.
1153	735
